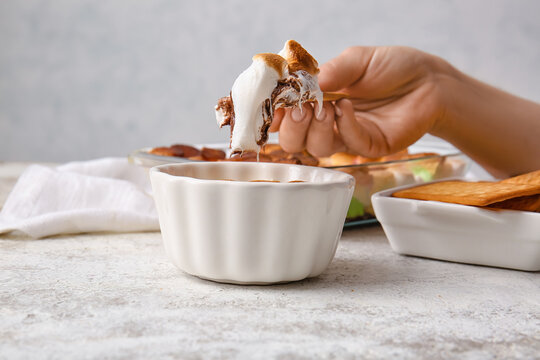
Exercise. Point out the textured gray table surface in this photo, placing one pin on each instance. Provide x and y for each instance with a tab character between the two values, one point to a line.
117	296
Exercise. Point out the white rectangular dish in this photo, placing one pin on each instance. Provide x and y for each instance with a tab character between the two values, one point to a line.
460	233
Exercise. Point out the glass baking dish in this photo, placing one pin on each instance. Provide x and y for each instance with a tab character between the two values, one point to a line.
370	177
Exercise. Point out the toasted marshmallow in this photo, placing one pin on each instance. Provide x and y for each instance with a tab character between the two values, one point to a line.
286	79
250	90
303	65
298	58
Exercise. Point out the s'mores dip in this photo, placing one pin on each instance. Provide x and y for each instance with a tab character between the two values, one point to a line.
272	81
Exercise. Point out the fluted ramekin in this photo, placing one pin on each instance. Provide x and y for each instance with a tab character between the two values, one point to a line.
250	232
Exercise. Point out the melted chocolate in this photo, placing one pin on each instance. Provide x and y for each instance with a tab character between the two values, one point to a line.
268	117
226	106
278	99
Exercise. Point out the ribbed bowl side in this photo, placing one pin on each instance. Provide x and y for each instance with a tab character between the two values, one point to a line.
266	233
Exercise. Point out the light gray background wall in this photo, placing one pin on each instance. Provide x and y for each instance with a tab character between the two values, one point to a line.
81	79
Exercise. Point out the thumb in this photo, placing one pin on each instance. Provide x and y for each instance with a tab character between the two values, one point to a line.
346	69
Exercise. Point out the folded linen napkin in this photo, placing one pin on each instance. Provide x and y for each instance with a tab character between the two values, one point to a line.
99	195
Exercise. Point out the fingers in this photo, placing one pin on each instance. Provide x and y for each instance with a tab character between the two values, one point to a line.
336	128
361	136
350	132
320	136
294	127
276	122
344	70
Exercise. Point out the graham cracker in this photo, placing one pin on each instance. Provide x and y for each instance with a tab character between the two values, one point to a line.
480	193
528	178
334	96
523	203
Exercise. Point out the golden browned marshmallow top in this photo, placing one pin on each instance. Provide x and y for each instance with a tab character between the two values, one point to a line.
298	58
275	61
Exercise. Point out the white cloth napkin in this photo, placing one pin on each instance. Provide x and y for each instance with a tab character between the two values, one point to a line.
99	195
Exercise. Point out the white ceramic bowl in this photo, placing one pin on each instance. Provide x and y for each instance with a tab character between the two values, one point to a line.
250	232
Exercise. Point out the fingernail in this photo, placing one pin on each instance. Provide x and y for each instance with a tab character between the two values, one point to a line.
338	111
297	114
320	115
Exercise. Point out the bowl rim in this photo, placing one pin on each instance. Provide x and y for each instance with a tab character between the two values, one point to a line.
341	178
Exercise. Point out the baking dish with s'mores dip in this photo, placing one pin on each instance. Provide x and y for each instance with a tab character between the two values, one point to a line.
423	161
288	79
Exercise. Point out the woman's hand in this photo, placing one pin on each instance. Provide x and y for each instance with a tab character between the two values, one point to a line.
394	100
397	94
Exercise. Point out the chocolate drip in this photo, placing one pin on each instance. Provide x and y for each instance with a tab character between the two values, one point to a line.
268	117
290	84
226	106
